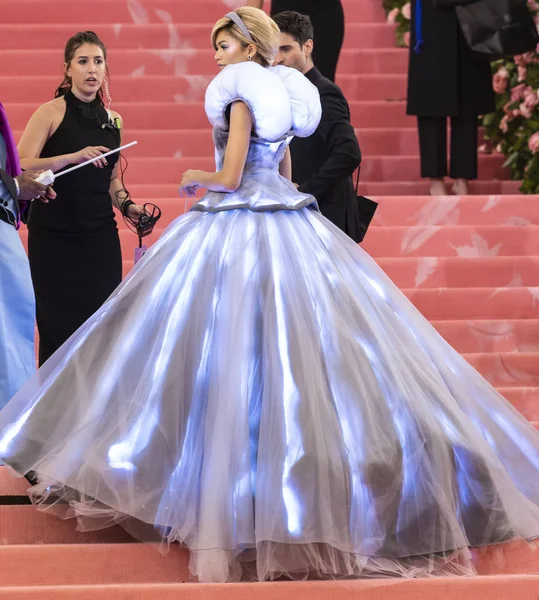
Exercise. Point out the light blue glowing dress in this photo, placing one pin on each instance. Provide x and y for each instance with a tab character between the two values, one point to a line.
17	303
260	391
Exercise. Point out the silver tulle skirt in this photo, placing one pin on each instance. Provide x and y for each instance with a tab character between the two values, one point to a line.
258	390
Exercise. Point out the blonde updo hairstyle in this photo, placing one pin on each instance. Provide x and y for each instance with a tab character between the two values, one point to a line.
262	28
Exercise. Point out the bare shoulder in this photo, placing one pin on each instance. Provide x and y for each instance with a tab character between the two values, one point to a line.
54	107
52	112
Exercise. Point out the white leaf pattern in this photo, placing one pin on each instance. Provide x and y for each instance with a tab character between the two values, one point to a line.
479	248
425	268
491	203
517	221
197	88
415	237
438	211
534	291
139	14
139	71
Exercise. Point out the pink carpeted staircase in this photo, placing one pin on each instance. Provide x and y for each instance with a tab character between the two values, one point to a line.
470	264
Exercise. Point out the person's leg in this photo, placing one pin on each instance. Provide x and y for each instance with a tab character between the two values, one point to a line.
464	139
433	152
328	25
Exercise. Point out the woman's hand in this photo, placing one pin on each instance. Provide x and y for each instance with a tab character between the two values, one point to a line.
134	211
189	183
87	154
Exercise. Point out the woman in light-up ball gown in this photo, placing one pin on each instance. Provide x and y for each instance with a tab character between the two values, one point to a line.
258	390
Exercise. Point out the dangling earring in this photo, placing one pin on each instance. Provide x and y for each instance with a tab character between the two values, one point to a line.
248	57
107	91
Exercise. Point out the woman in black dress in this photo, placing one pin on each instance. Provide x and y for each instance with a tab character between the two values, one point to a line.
73	243
327	18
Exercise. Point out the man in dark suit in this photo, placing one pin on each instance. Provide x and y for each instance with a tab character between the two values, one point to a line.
16	292
323	164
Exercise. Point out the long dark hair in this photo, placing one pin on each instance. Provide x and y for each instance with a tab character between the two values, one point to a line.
73	44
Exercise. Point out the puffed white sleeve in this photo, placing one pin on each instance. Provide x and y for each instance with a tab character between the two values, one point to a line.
304	101
262	90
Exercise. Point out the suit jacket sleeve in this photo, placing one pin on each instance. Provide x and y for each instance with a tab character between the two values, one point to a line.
340	139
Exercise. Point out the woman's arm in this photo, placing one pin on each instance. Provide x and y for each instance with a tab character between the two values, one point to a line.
228	179
118	194
285	166
41	126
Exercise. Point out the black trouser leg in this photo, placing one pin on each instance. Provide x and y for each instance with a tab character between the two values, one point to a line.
433	146
328	25
464	138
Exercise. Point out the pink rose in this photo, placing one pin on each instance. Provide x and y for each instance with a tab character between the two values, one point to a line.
500	79
406	38
407	11
517	93
530	99
525	111
524	59
392	16
504	124
533	142
522	73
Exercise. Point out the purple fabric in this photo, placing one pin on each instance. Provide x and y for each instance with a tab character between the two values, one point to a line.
13	164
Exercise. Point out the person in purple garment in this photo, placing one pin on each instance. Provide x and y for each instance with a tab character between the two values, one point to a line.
17	307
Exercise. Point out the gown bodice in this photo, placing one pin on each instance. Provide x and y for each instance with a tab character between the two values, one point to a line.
283	103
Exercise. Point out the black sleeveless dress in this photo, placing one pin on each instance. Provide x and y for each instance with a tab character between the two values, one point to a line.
327	17
73	242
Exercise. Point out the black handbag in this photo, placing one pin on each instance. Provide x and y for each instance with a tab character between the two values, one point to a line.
366	209
498	28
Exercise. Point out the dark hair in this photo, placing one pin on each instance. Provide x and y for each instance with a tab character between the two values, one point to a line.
73	44
296	25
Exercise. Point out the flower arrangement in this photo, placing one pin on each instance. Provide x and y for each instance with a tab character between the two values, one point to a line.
399	13
513	129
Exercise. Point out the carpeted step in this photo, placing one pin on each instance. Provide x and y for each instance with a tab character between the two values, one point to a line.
445	211
503	587
23	524
189	88
148	11
421	188
191	115
161	35
507	369
396	190
485	335
460	240
198	142
139	61
98	564
524	399
374	168
429	272
470	303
